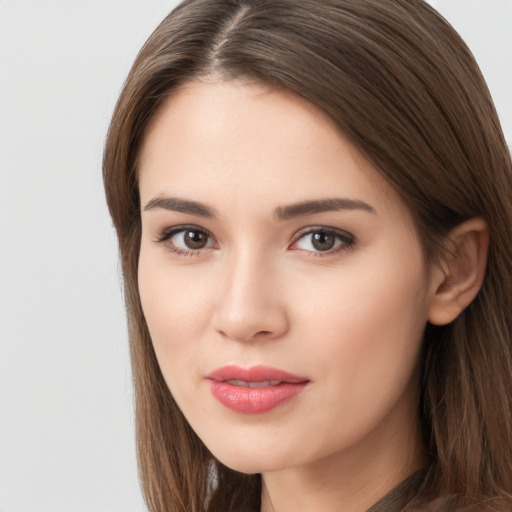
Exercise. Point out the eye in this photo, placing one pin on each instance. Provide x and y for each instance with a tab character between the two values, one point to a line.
186	239
323	240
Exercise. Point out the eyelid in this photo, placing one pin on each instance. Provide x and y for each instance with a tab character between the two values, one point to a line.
348	240
167	233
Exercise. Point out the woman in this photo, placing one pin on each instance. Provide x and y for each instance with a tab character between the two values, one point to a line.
313	204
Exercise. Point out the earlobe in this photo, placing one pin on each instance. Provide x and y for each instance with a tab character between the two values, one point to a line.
459	277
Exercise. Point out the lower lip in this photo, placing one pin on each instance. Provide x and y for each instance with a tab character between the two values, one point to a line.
254	400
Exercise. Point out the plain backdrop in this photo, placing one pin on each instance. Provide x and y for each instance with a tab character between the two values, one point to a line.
66	421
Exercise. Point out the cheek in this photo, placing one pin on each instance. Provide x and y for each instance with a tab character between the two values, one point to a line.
174	307
367	328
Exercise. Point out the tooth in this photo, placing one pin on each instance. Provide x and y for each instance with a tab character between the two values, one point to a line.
238	382
262	384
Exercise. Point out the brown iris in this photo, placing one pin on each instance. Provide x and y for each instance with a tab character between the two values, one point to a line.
323	241
195	239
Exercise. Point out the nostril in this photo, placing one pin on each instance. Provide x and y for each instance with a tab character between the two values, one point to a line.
244	319
245	336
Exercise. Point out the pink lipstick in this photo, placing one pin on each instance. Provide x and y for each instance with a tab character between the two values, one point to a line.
254	390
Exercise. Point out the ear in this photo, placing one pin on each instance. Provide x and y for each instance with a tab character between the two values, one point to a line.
459	276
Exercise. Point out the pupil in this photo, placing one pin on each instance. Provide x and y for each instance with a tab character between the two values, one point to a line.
196	239
323	241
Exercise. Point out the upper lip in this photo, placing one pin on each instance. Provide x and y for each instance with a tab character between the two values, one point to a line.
254	374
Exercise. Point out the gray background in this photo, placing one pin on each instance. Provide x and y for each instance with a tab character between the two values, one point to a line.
66	422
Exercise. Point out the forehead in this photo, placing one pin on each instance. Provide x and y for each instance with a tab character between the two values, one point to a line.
238	141
217	114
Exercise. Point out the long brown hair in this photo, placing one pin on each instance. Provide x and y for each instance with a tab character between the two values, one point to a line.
404	88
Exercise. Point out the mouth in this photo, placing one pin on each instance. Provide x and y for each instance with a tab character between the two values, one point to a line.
254	390
248	384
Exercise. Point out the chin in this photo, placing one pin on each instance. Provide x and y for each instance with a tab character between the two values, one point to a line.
250	461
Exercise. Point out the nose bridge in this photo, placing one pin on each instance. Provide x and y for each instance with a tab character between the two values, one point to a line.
249	304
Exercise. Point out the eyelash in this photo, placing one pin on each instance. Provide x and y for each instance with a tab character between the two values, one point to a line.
344	239
168	233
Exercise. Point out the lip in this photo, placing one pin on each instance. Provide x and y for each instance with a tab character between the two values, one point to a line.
254	400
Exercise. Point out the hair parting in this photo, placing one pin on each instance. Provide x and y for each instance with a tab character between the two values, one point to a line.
400	83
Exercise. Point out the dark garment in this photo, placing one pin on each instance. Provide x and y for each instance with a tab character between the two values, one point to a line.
398	497
395	500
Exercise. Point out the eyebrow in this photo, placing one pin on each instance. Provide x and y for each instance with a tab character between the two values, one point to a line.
321	206
180	205
281	213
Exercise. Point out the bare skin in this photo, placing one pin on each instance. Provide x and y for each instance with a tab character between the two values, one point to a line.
231	273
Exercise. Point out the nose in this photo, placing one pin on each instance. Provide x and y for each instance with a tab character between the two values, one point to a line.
251	305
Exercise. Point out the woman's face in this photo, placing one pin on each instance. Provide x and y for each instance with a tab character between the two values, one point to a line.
281	279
